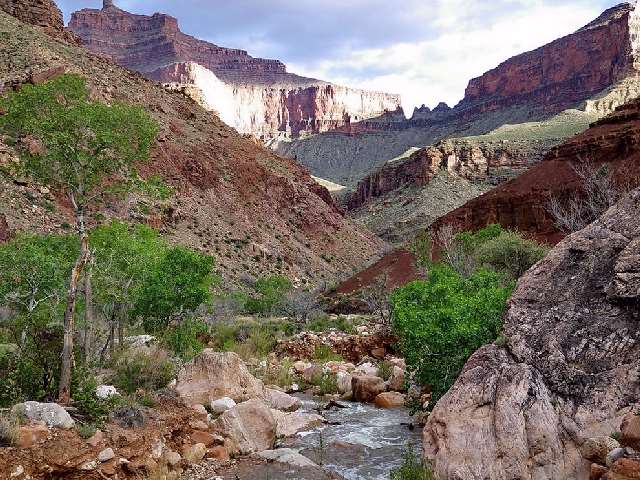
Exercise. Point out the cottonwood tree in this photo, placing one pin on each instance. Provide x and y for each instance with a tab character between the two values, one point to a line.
74	145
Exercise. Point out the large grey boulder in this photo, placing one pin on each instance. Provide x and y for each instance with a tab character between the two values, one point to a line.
213	375
249	427
289	424
54	415
570	369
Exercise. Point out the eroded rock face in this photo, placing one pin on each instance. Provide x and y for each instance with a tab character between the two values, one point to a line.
569	372
256	96
41	13
214	375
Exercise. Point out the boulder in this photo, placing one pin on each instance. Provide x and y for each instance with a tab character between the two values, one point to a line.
614	455
213	375
597	471
30	435
206	438
282	401
218	453
299	367
596	449
52	414
344	382
195	453
624	469
396	381
367	369
567	372
286	456
312	372
390	400
221	405
104	392
289	424
249	427
106	455
630	430
366	388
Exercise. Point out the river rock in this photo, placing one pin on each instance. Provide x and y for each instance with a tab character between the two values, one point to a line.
566	373
286	456
300	366
366	388
624	469
614	455
630	430
396	382
289	424
221	405
390	400
213	375
282	401
595	449
344	382
249	427
367	369
52	414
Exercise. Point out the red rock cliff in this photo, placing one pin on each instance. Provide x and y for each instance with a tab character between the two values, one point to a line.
563	72
254	95
41	13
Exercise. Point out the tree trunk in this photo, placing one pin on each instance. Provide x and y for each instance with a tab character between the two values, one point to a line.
89	317
64	390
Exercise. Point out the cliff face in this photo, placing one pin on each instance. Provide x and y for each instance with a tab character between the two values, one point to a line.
254	95
41	13
566	372
563	72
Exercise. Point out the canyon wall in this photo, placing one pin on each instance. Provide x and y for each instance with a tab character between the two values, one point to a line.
256	96
564	72
569	73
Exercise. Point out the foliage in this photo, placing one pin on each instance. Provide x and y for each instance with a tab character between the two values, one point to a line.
326	382
510	254
148	371
325	323
34	270
385	370
187	338
78	142
83	391
178	283
250	339
269	295
8	431
323	353
441	321
412	468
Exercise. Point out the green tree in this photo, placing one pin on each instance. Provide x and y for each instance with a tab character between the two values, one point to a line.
74	144
178	283
269	295
441	321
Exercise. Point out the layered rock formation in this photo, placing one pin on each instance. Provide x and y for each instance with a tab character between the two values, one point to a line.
254	211
42	13
569	370
569	73
253	95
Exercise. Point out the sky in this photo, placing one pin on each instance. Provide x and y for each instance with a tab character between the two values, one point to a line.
425	50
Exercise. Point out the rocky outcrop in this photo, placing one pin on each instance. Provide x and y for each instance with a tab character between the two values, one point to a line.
215	375
564	72
256	96
568	371
249	427
521	204
41	13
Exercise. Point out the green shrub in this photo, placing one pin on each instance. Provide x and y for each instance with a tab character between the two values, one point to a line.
188	338
86	430
139	370
327	383
8	431
269	295
323	353
412	468
385	370
510	254
325	323
441	321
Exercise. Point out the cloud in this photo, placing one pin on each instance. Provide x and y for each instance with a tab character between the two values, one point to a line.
427	50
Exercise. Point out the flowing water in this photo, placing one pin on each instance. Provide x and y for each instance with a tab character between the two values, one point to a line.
361	442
